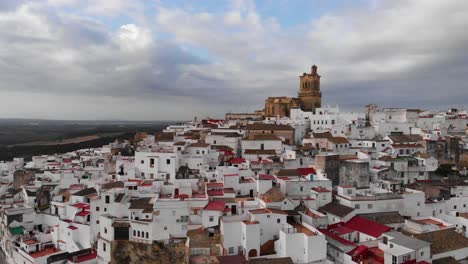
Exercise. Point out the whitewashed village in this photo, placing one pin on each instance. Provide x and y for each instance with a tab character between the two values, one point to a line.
295	182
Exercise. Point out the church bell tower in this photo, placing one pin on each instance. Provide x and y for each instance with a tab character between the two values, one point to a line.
310	96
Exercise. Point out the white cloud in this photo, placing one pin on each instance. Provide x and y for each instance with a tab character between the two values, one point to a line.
108	7
60	3
232	18
132	38
393	52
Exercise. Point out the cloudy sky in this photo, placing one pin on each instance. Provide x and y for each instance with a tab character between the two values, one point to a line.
161	60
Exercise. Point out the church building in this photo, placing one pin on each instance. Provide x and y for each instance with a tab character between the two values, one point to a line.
309	97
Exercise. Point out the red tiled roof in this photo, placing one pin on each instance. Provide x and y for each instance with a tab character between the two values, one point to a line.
236	160
229	175
267	211
215	206
265	177
215	193
72	227
135	180
44	252
357	251
336	237
306	171
214	184
320	189
263	161
30	241
83	258
409	145
229	190
146	183
250	222
76	187
83	213
234	259
366	226
259	211
228	153
80	205
277	211
342	230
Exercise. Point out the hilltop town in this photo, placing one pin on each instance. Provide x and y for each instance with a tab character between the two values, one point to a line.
294	182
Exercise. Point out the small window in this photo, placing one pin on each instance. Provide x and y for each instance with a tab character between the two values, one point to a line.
278	221
357	206
97	208
105	230
168	161
369	206
211	218
104	247
165	228
142	162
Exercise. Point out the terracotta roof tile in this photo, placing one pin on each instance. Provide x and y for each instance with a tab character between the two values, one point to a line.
263	126
215	206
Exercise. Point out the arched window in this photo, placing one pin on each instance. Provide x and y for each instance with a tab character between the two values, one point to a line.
138	233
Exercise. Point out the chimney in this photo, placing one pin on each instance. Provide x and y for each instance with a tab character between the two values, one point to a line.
314	70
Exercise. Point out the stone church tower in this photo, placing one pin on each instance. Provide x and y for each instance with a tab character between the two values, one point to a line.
310	96
308	100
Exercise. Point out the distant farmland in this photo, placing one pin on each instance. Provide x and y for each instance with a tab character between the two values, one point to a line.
26	138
